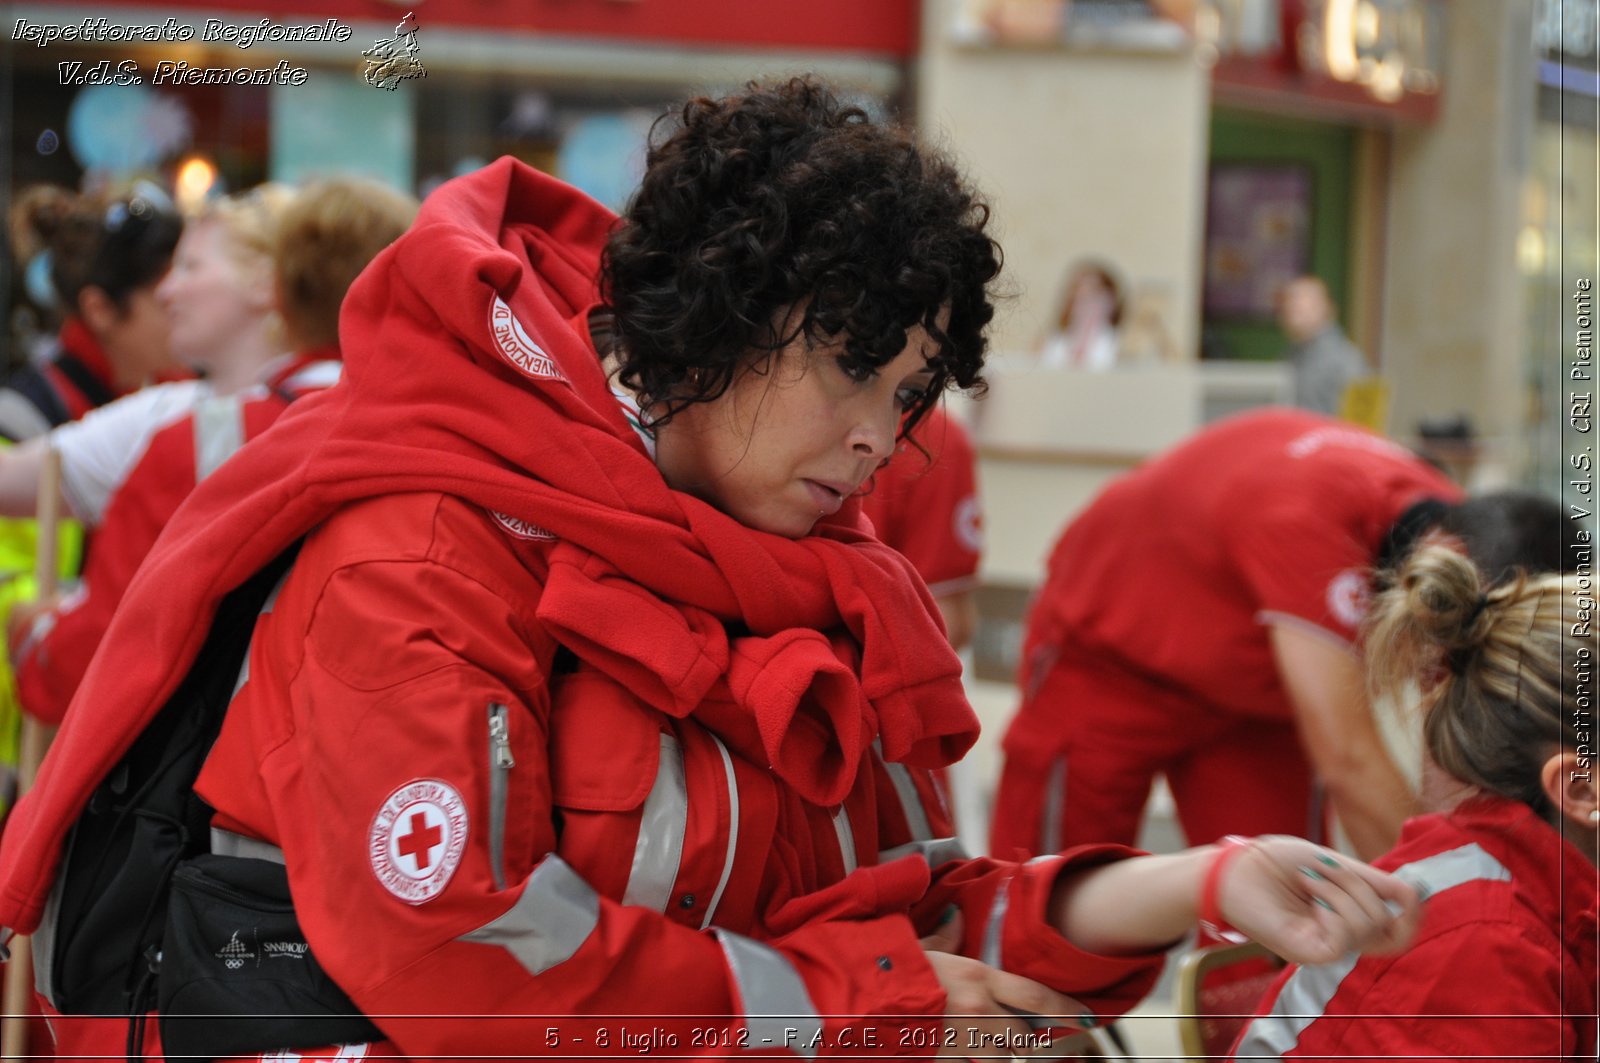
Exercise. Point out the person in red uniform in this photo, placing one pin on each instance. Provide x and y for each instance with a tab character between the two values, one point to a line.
1504	966
924	503
106	256
559	715
1200	619
322	241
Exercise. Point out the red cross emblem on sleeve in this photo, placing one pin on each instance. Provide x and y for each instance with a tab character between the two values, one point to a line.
417	839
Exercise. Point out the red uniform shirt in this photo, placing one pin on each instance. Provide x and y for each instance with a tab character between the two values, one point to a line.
926	505
1269	517
62	641
1503	967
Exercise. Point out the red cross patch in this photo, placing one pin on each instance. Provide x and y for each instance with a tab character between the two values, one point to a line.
417	839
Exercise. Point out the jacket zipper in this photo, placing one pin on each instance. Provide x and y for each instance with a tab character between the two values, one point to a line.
500	764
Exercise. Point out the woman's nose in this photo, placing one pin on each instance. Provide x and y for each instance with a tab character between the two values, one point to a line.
873	435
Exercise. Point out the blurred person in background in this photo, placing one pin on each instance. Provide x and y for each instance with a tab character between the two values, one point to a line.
924	503
1323	361
105	258
1086	335
580	558
1505	964
218	303
324	238
95	261
1201	619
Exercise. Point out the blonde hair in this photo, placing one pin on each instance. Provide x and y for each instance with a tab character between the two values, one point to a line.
323	242
250	220
1500	666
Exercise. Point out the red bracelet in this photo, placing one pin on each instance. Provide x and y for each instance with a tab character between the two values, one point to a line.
1211	921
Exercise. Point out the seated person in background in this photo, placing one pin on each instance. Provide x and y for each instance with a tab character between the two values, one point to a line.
1323	359
924	503
323	240
1201	618
1504	966
1085	336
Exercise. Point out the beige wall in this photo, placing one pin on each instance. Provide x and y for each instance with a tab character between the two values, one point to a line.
1082	153
1453	323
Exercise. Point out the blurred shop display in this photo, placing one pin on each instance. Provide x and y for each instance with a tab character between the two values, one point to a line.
1156	25
1353	50
116	130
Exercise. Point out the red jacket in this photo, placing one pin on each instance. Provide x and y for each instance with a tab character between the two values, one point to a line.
584	843
470	389
63	640
1503	967
1174	573
924	503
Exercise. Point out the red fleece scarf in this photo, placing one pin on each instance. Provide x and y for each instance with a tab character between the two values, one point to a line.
465	374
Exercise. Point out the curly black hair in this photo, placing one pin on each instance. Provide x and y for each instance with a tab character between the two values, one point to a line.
780	198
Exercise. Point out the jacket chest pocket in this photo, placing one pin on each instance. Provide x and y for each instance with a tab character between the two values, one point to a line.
647	807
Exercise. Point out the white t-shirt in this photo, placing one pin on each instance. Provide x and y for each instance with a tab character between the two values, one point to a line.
99	451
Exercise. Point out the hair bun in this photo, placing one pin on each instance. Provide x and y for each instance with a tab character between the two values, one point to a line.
38	217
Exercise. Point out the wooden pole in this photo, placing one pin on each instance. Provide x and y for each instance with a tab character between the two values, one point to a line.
35	740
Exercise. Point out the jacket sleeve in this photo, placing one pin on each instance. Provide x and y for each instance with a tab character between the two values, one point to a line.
51	663
424	854
1004	903
1481	991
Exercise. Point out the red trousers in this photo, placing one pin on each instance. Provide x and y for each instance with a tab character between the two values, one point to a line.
1085	747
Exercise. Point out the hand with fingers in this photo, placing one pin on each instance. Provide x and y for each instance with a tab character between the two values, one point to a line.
1311	905
987	1010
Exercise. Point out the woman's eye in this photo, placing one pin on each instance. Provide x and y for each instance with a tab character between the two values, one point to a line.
859	372
909	395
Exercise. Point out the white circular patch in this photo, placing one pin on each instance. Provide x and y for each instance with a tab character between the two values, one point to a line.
969	524
514	344
521	528
1349	595
417	839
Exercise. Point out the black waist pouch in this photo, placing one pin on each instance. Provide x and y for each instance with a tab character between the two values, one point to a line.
236	976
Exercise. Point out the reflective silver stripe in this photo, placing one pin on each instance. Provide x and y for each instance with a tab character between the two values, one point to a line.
316	375
847	838
1304	998
218	433
935	851
44	938
19	418
227	843
659	848
733	831
1055	796
990	953
1454	867
550	921
1306	994
910	802
777	1008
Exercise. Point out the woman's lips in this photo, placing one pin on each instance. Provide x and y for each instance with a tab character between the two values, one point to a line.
829	501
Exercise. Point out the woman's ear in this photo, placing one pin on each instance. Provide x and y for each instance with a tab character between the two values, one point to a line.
97	309
1569	782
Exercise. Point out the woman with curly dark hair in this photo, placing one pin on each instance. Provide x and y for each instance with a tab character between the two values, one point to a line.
588	693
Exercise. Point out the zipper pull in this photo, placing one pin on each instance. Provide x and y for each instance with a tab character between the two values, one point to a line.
500	737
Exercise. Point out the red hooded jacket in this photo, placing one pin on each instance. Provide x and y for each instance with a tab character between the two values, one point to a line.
478	499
